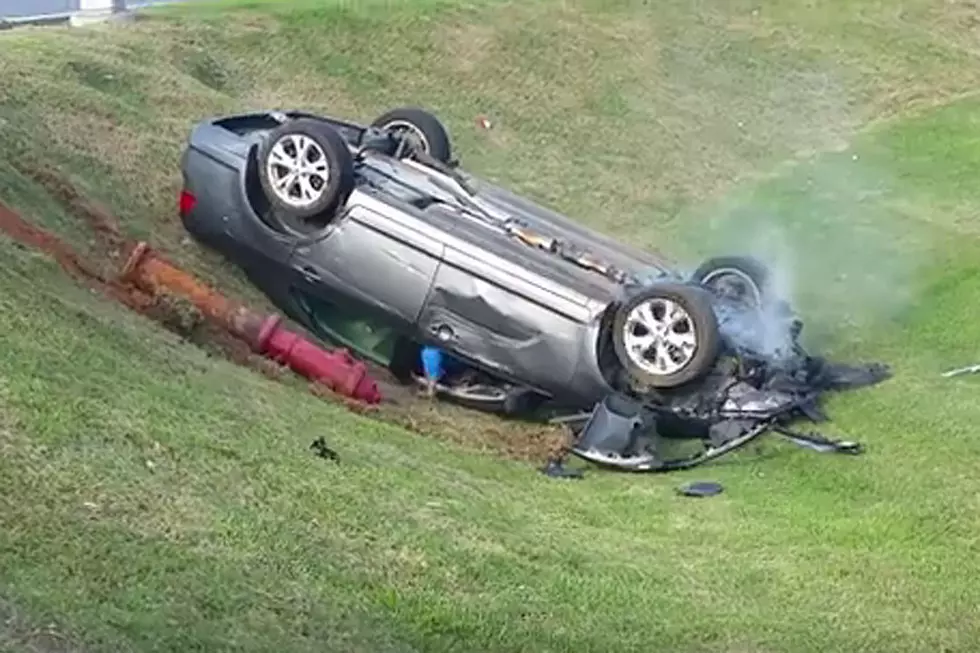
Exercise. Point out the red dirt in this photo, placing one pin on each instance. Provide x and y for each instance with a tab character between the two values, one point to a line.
170	312
102	223
77	268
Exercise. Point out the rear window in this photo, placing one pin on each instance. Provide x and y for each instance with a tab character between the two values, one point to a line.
242	125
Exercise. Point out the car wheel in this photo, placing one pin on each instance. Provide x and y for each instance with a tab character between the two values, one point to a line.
306	170
739	278
422	128
666	336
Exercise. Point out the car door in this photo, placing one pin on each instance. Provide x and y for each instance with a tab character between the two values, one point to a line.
494	311
372	268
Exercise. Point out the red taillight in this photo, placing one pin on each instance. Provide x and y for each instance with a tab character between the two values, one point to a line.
187	202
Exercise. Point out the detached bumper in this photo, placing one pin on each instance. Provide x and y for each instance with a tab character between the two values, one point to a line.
632	435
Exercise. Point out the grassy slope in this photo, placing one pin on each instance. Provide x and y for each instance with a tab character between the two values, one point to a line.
839	137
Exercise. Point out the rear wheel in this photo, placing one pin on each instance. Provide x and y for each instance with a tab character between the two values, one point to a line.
422	129
306	170
738	278
666	336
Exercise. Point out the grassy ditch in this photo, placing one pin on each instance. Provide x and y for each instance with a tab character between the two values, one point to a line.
157	498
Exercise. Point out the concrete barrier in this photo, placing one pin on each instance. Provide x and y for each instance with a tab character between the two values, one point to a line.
16	13
96	11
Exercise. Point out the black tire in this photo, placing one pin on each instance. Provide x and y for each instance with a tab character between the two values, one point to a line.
701	320
750	270
340	171
434	135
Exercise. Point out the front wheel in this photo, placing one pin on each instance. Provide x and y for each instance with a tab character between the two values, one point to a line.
666	336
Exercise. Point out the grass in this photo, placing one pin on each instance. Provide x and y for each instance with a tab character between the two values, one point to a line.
157	499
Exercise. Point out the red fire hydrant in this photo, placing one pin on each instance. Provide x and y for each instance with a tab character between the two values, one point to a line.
337	369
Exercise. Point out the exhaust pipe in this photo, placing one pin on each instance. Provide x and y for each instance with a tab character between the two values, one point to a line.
337	370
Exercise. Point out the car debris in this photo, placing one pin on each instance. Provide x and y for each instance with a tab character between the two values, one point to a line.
959	371
556	468
630	433
819	443
700	489
374	238
322	450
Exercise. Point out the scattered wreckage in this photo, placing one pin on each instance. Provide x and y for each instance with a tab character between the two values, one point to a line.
373	238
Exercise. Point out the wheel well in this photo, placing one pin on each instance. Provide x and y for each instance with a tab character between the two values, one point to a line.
260	204
609	366
256	199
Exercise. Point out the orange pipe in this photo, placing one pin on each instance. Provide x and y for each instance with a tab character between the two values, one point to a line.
337	370
146	270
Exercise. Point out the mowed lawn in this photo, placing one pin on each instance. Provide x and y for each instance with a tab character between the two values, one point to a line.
153	498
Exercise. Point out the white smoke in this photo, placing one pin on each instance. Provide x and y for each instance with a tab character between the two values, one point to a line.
844	263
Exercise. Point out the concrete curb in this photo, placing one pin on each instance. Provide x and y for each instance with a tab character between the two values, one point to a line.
23	21
72	17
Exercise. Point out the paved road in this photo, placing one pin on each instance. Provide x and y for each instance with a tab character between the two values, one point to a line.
21	8
18	8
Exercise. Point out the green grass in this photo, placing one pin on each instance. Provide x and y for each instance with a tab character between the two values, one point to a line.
153	498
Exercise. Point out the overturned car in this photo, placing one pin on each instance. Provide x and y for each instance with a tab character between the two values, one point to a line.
373	238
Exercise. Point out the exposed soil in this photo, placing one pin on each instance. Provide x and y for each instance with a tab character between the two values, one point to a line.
100	220
18	634
178	315
173	313
75	266
401	406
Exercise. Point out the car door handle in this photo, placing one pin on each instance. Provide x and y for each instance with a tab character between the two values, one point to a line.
442	332
309	273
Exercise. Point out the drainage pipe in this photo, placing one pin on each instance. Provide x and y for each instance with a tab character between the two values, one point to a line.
337	370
